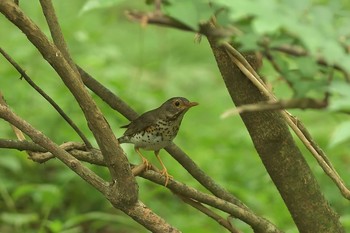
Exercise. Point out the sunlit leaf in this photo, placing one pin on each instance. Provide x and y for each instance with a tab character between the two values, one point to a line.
97	4
18	218
11	163
340	97
307	66
190	13
341	134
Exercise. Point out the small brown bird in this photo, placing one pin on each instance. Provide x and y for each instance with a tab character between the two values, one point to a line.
156	129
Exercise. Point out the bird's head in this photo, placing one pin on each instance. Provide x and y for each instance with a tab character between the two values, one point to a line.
177	106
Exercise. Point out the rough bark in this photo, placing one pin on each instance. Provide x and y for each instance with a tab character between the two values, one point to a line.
278	152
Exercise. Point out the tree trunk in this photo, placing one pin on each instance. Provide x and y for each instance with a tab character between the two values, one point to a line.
278	152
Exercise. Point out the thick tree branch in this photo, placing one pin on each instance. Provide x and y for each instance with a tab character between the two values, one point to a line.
113	154
64	153
259	224
95	157
146	217
55	30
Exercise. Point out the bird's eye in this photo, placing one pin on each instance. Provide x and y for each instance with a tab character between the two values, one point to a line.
177	103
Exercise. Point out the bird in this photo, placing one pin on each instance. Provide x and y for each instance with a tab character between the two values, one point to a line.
156	129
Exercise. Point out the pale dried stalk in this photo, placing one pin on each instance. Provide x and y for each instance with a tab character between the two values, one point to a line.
322	159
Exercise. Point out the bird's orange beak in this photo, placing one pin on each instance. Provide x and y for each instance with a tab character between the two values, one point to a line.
191	104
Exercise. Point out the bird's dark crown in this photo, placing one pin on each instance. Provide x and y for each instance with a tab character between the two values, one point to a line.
175	106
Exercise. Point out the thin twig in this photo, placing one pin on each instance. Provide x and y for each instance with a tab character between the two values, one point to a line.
17	132
163	20
55	29
274	64
304	103
46	97
197	205
21	145
40	139
298	52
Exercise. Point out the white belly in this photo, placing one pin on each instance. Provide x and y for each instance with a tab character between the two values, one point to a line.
147	142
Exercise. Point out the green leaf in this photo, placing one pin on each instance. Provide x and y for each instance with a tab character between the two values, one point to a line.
46	194
18	218
341	134
11	163
98	4
340	97
307	66
55	225
248	42
190	13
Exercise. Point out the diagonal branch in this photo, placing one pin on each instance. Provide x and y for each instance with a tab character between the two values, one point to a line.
95	157
43	141
119	105
113	154
197	205
47	97
55	29
138	211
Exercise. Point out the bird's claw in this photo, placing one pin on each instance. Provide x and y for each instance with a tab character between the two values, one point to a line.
165	173
147	164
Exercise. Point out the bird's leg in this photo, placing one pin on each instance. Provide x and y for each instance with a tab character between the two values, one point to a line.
164	171
144	160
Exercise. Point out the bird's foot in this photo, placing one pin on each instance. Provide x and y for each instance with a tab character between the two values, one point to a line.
165	173
147	164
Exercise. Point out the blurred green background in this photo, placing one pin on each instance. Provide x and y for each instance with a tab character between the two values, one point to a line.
144	66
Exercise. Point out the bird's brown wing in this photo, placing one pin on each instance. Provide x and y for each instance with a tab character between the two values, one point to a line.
141	123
